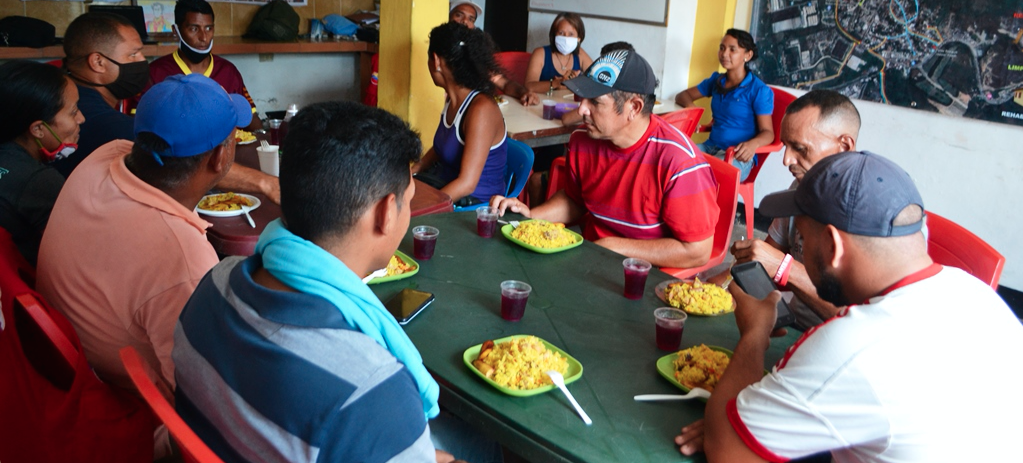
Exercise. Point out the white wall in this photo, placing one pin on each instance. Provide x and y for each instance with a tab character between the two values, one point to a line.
665	48
302	79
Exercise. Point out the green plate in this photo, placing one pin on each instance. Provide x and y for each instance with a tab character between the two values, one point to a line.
575	369
507	229
666	367
408	260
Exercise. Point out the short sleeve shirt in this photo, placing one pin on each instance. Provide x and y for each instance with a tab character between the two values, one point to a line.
220	70
866	384
658	188
735	111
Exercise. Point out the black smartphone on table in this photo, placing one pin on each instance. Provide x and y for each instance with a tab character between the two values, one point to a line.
753	279
407	304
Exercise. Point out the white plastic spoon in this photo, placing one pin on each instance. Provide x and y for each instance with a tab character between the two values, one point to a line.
245	210
559	381
376	273
694	393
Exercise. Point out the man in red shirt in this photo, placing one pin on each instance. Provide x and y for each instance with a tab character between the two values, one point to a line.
193	22
646	190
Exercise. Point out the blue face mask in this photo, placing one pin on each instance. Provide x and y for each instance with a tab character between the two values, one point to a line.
62	151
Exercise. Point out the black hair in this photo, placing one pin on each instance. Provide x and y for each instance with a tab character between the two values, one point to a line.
746	42
31	92
469	53
173	173
830	103
93	32
183	7
615	46
576	21
621	97
341	158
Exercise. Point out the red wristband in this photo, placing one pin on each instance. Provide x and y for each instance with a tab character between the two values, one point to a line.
781	277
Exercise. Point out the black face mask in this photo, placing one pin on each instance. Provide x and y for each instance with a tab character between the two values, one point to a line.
131	79
192	57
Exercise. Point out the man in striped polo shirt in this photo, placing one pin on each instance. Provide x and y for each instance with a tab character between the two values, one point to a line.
287	355
645	188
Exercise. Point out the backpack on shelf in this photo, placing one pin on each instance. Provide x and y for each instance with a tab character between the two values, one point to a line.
276	21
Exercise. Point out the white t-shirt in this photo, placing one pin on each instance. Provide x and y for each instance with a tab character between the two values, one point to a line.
929	372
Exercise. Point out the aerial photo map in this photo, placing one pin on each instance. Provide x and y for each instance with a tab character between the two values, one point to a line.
962	58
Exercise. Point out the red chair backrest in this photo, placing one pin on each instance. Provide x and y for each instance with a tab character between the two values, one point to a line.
727	177
950	244
193	450
686	119
514	64
53	408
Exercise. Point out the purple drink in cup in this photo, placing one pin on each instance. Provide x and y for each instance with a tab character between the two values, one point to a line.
514	295
548	109
424	240
486	221
636	271
670	323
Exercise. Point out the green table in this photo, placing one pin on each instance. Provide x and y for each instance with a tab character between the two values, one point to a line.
577	305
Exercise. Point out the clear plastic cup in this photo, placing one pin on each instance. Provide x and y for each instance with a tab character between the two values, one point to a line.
269	160
636	271
486	221
424	241
548	109
669	324
513	299
274	131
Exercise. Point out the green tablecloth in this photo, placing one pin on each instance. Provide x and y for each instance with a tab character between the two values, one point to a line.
577	305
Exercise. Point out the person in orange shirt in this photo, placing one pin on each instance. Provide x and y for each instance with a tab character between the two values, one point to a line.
124	248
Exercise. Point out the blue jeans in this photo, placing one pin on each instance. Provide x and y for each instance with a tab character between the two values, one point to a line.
718	152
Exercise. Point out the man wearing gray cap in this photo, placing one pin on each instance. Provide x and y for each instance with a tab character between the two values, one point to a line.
863	385
648	190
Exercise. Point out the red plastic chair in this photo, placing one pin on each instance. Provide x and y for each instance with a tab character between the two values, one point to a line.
193	450
950	244
686	119
782	100
727	177
514	64
557	177
52	406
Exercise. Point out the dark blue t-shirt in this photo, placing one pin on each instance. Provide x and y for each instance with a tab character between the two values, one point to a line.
103	124
735	112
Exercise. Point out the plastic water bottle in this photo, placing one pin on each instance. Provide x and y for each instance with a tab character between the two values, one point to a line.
292	110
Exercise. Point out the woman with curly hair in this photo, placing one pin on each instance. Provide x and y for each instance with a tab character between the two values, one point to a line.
741	103
551	65
470	148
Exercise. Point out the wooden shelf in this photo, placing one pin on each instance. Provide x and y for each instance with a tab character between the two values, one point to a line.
221	46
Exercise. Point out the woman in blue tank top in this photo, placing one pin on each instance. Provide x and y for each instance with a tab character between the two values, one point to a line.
470	148
563	59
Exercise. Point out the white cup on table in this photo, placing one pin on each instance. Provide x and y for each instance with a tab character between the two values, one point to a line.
269	159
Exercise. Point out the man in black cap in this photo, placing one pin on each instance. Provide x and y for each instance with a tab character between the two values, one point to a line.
862	384
649	191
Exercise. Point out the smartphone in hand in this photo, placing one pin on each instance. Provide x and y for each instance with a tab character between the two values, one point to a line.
407	304
753	279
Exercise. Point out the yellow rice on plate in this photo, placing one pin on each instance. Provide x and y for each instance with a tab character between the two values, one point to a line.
224	202
698	297
522	363
543	234
396	266
700	366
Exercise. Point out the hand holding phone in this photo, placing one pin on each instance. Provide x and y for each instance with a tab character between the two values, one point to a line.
753	279
407	304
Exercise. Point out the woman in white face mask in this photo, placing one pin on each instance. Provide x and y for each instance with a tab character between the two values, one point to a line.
563	59
39	124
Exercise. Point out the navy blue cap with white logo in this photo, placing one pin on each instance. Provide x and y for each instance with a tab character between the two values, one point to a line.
858	192
621	70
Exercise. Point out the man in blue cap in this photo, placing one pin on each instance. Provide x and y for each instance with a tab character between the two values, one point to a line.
863	385
125	248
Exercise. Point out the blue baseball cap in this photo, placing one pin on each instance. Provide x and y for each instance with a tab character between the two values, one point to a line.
192	113
621	70
858	192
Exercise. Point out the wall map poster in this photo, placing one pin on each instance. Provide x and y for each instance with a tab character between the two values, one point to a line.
962	58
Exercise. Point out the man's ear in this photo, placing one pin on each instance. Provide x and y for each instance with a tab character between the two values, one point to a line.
97	63
221	159
385	214
636	104
837	246
847	142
